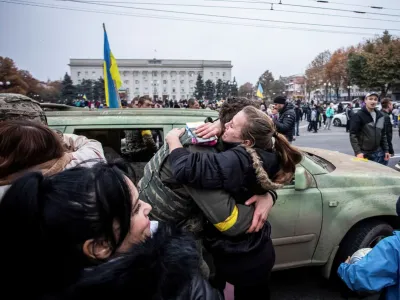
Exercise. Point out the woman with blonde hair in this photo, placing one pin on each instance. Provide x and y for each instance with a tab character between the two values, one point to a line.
256	158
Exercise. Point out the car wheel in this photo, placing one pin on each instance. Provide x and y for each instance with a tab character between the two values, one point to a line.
363	235
337	122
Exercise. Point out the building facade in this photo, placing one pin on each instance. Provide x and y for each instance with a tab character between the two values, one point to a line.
295	86
157	78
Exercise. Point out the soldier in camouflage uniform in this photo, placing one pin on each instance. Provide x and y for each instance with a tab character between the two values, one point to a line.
140	145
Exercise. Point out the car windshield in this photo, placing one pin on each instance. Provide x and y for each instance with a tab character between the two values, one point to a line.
327	165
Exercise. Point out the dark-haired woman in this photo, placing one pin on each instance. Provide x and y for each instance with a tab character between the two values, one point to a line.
31	146
84	232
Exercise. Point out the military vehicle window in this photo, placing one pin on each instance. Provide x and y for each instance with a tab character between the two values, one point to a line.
135	145
321	161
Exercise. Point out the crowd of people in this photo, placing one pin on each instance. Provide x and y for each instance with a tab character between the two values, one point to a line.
148	102
76	225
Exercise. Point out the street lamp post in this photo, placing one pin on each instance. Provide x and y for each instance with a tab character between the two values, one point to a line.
348	92
326	92
330	94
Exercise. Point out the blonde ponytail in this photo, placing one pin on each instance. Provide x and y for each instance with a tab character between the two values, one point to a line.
261	174
261	131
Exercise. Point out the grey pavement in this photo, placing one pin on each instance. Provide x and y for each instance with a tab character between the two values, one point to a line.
337	139
307	283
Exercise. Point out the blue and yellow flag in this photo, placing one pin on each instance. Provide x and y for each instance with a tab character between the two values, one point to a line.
260	91
112	79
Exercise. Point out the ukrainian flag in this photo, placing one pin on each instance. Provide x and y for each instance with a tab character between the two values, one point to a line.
260	91
112	79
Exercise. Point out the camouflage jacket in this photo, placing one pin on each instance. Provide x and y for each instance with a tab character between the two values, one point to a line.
187	206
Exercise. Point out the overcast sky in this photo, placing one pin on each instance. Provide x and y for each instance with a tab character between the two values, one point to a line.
42	40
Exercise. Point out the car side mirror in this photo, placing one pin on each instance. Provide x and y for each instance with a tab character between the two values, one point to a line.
301	181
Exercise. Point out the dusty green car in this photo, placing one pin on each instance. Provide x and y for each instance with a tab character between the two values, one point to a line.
334	205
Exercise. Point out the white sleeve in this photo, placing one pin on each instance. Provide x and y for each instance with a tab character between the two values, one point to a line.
86	152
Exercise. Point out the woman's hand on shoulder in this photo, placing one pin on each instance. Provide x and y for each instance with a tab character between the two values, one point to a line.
174	134
172	138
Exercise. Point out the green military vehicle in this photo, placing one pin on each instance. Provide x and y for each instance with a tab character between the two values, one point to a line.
335	204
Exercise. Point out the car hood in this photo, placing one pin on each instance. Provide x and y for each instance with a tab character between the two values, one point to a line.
349	164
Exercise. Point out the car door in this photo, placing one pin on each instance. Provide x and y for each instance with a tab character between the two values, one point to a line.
296	221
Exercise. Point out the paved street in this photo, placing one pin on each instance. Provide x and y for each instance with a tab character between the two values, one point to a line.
338	140
307	283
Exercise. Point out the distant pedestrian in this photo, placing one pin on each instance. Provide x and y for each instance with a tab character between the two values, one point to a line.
297	111
387	108
287	117
367	132
330	112
315	114
349	114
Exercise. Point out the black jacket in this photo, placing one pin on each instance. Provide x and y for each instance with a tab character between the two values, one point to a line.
164	267
349	113
389	131
231	170
365	135
286	122
297	111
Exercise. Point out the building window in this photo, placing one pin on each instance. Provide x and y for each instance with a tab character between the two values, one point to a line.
173	81
146	82
79	81
154	73
154	62
79	74
217	73
137	81
126	81
182	90
182	81
223	74
173	90
146	89
173	97
137	90
86	73
165	82
144	77
191	82
211	74
165	90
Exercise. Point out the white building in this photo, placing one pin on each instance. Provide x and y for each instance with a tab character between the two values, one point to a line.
172	79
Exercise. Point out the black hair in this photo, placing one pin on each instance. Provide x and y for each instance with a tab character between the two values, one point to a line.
44	223
232	106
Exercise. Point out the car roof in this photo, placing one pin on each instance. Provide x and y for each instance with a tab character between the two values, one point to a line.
127	116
